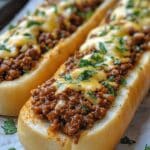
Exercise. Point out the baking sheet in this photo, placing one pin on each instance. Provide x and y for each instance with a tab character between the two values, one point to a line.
139	129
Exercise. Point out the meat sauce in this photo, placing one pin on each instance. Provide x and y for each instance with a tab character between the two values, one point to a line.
29	53
84	89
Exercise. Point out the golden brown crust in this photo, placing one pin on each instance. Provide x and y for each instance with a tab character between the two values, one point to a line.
13	94
118	117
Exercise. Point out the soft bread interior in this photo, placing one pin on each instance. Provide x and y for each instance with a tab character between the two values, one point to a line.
13	94
105	134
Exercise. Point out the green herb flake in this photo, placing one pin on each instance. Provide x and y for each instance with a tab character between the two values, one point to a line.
112	27
9	126
85	108
103	32
116	61
68	77
84	63
31	23
85	15
110	88
72	8
12	148
26	71
123	81
122	45
88	14
28	35
127	140
92	94
130	4
96	57
54	6
6	40
109	41
111	78
39	13
134	15
11	26
3	47
102	48
85	75
147	147
113	17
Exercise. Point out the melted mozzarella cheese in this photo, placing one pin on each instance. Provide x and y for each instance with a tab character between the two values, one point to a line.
118	29
26	32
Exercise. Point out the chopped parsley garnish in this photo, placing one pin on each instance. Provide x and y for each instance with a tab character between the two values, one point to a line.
91	94
85	15
116	61
85	108
31	23
6	40
60	85
96	57
130	4
3	47
112	27
103	32
113	17
127	140
25	71
9	126
84	63
72	8
68	77
11	26
123	81
54	6
88	14
39	13
134	15
94	61
109	41
147	147
110	88
28	35
85	75
122	44
111	78
12	148
102	48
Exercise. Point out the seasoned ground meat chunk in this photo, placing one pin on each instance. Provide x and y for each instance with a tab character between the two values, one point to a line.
28	56
70	111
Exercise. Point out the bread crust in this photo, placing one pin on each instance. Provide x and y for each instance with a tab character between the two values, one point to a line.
118	117
13	94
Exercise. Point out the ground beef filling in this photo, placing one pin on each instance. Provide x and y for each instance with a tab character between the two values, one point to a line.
13	68
138	44
70	112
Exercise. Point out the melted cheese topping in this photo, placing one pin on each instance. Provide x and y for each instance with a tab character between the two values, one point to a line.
45	18
110	47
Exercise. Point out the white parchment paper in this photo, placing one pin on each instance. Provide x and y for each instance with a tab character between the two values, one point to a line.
139	129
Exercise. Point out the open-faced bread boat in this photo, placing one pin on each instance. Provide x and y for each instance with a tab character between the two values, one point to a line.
32	51
93	96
